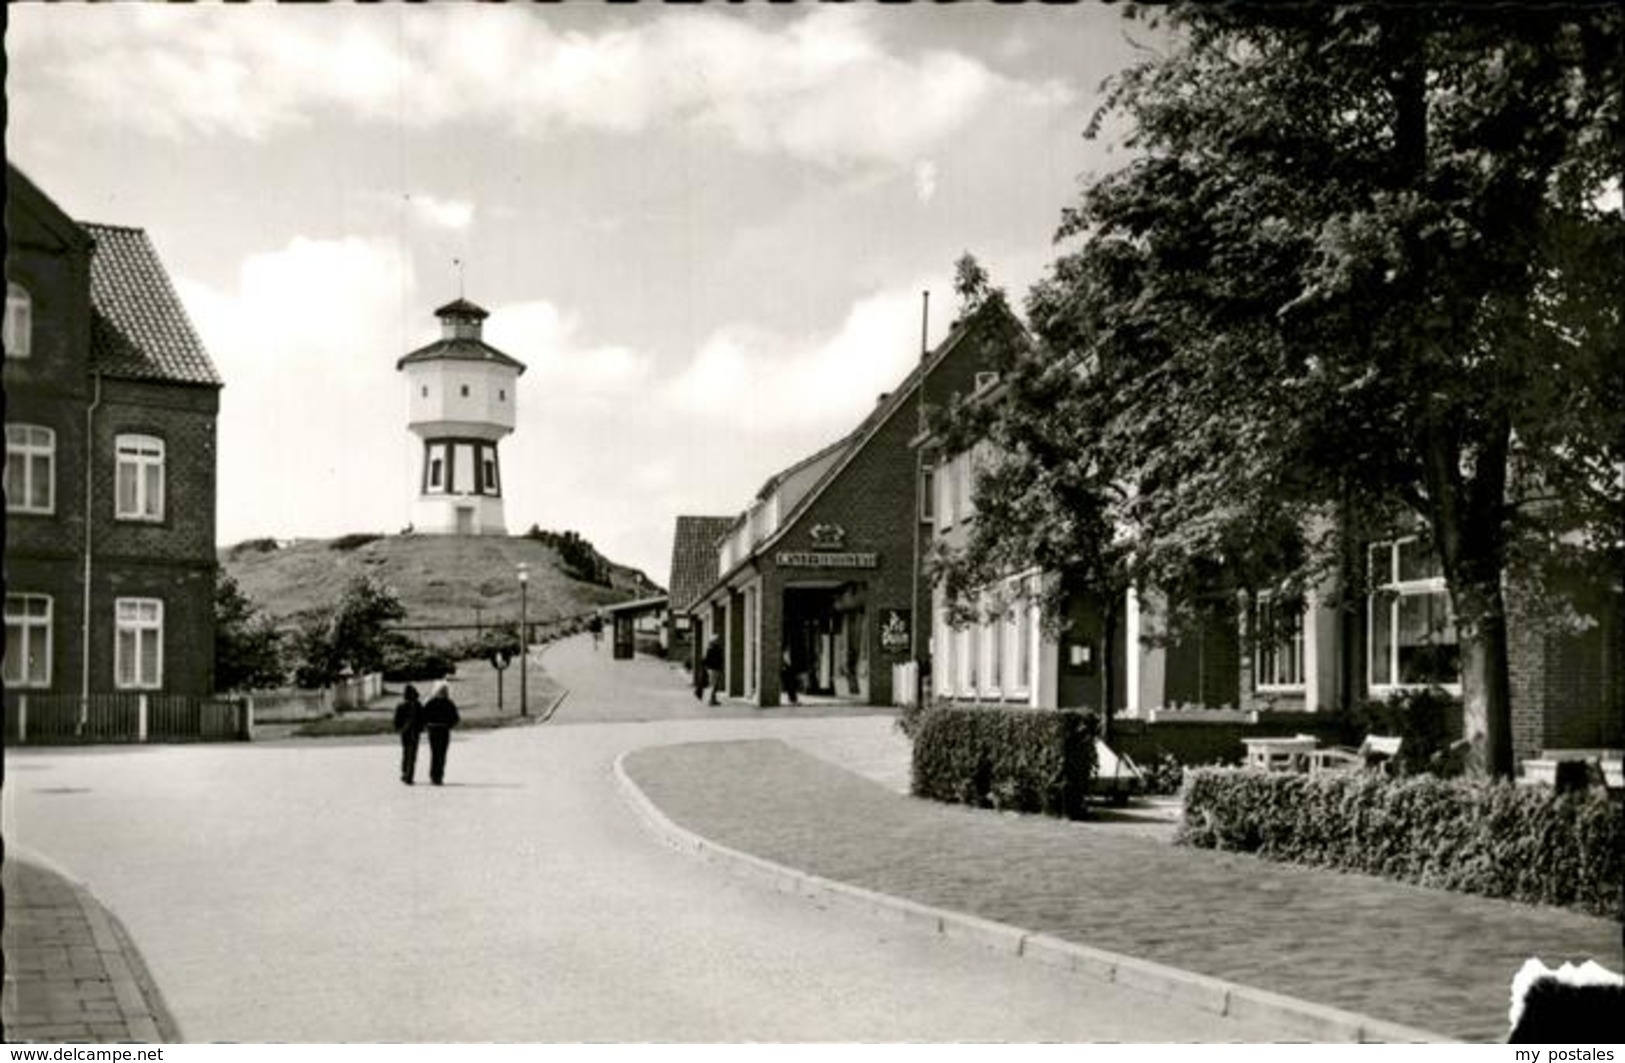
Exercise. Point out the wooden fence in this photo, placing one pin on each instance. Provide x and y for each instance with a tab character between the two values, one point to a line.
62	719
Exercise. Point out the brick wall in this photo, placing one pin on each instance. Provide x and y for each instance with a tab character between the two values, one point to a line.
184	418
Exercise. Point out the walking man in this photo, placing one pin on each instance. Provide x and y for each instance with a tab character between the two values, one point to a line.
409	724
713	665
439	717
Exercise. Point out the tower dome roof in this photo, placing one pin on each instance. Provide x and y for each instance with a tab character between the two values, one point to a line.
461	307
461	340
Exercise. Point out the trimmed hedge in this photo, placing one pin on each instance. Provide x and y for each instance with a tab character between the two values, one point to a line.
1021	760
1498	839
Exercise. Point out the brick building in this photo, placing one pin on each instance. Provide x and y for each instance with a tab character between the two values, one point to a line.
111	407
820	574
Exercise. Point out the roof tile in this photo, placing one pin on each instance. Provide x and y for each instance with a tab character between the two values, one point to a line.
694	557
139	328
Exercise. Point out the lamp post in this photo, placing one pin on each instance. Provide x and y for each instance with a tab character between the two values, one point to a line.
524	640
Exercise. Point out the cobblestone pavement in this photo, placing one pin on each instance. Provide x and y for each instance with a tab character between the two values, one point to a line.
1425	958
71	974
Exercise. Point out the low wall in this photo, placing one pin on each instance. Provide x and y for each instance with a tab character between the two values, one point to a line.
290	706
356	693
1195	742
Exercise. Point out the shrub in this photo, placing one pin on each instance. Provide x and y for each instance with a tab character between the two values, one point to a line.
353	541
406	661
1015	759
1494	838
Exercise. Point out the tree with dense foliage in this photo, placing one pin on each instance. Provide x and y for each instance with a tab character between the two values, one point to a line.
351	637
1362	270
247	644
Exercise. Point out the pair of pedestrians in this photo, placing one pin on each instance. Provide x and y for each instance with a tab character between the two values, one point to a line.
437	716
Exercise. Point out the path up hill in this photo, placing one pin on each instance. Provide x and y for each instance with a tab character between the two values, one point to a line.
444	581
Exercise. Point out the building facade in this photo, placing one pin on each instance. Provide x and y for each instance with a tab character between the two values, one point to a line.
111	409
463	396
819	579
1391	631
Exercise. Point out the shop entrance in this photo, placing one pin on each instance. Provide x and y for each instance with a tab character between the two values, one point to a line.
826	638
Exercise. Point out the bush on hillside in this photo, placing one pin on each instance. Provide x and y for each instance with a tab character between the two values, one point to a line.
353	541
1019	760
1494	838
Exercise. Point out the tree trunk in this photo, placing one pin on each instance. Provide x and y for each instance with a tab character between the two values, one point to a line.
1486	696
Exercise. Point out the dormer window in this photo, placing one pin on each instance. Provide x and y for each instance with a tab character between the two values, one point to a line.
19	329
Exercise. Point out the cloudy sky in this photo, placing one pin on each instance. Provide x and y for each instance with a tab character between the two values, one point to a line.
705	230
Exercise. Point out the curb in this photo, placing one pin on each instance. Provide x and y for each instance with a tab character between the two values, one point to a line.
132	983
1315	1022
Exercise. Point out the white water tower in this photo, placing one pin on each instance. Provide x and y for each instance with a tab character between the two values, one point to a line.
463	396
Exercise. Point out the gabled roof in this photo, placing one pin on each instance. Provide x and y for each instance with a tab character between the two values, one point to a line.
694	557
899	397
22	191
890	404
139	329
784	474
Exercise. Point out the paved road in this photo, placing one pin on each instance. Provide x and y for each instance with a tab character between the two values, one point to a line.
298	892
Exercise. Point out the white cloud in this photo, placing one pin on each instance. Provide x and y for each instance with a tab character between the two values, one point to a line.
454	214
820	86
312	416
763	383
925	180
557	361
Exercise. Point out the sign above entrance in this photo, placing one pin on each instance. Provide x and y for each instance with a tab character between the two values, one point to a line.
827	536
814	559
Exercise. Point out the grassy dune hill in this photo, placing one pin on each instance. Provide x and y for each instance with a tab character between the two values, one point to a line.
442	580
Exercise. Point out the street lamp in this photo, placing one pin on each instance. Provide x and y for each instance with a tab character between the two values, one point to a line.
524	640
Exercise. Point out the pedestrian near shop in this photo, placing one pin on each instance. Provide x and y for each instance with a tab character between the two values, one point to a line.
713	665
439	717
409	725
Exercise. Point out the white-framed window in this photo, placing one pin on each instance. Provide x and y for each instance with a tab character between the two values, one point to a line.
965	488
19	328
139	486
943	485
1278	647
992	638
1410	628
965	661
928	495
1019	631
434	473
138	643
942	655
30	469
28	640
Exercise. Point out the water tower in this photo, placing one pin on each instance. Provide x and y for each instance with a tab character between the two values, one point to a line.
463	393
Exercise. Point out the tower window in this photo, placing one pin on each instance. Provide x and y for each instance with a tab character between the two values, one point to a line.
434	469
465	391
502	394
425	391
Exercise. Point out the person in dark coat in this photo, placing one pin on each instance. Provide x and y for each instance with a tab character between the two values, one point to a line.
409	724
439	717
713	665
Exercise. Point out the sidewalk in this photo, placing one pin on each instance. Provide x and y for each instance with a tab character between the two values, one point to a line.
71	973
1422	958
